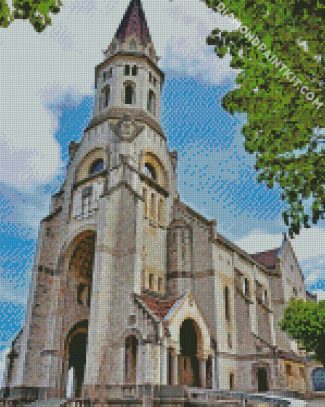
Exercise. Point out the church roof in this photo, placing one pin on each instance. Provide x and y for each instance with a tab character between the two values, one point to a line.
160	307
134	23
268	258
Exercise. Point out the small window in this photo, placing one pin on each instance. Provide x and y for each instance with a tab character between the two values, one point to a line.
294	292
134	70
154	81
231	381
104	76
96	167
127	70
227	304
150	77
246	287
107	96
151	102
110	72
86	200
266	298
129	94
151	281
150	171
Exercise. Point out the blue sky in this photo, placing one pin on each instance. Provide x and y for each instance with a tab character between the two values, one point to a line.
48	101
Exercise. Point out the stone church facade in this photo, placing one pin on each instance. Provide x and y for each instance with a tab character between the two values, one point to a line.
131	287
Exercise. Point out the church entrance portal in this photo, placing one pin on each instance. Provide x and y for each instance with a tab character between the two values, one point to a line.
262	381
76	349
189	364
131	354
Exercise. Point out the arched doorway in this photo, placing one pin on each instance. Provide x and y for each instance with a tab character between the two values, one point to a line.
131	356
75	359
262	379
189	364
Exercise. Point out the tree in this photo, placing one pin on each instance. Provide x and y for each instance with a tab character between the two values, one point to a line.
283	129
38	12
305	322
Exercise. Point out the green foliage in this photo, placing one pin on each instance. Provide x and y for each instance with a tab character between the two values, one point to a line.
38	12
5	14
282	129
305	322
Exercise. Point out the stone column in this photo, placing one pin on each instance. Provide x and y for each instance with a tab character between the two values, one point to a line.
174	368
214	373
163	364
203	373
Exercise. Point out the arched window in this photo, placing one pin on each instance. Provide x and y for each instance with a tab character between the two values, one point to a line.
227	303
151	102
129	97
150	171
96	167
134	70
133	45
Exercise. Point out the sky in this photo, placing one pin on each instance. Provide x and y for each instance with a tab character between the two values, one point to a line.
46	100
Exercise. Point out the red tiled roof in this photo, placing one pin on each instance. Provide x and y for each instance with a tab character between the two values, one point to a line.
134	23
268	258
158	306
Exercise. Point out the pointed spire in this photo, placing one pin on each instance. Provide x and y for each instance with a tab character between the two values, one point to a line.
134	24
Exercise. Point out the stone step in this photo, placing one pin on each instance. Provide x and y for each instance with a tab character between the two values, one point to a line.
47	403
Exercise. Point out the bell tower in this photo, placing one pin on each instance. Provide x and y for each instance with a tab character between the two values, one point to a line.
129	81
104	242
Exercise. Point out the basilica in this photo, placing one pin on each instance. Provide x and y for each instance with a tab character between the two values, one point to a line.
134	290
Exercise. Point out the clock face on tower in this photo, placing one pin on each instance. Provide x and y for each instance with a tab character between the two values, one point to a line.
127	129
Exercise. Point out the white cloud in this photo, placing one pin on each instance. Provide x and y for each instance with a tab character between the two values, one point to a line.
186	50
39	68
308	244
314	276
308	247
14	291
